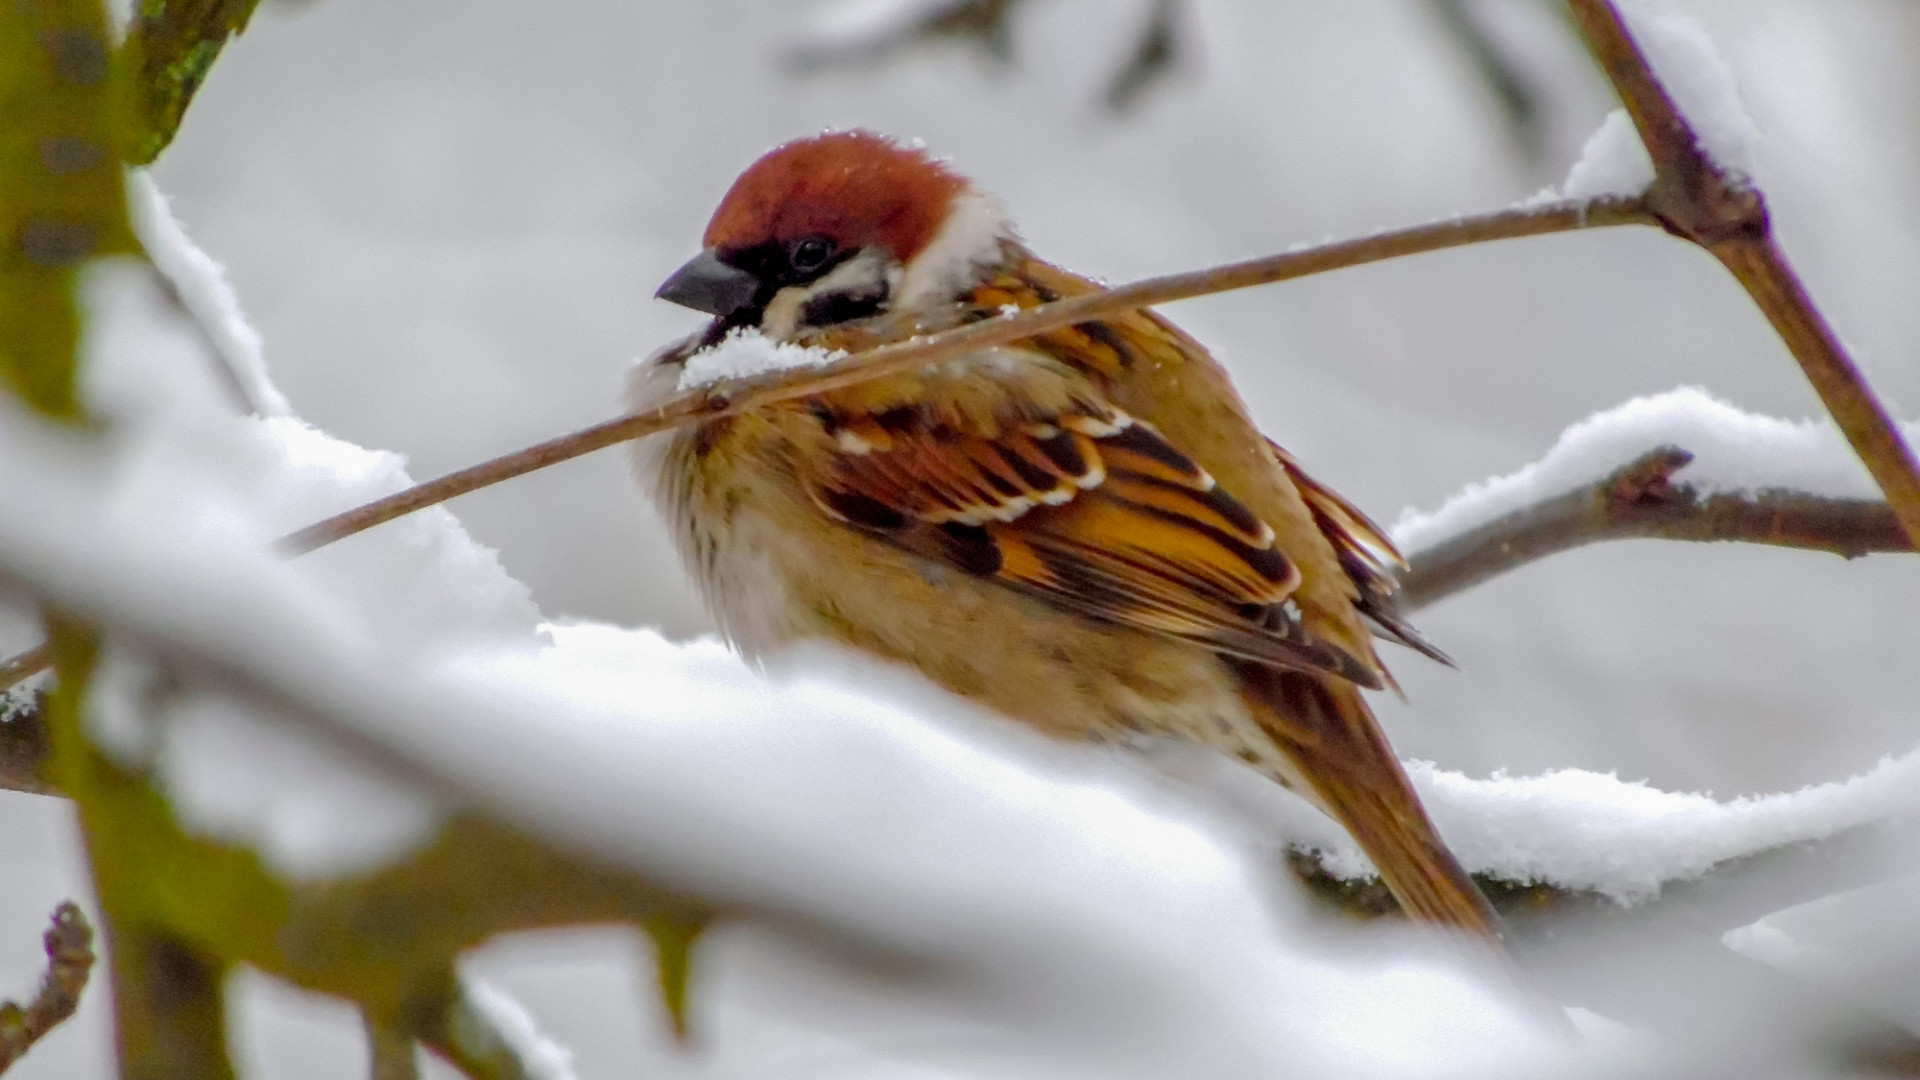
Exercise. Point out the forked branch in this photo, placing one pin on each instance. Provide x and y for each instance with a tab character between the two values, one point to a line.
1695	198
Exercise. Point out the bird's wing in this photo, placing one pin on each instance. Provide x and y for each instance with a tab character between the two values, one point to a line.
1084	507
1366	554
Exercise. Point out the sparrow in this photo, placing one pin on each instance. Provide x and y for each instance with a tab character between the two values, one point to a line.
1083	531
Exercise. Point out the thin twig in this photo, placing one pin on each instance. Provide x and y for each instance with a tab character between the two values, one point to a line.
740	396
1696	199
390	1052
1640	500
69	944
18	669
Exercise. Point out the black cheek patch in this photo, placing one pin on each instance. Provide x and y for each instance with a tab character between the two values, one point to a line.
838	307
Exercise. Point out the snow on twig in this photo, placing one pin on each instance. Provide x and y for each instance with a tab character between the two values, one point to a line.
1729	452
203	290
746	353
491	1025
1711	202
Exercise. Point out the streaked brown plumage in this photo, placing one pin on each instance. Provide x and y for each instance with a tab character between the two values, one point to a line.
1084	530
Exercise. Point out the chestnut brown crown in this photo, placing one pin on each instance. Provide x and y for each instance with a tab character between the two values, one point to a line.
852	188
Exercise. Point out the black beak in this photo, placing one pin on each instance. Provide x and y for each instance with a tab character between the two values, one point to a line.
709	285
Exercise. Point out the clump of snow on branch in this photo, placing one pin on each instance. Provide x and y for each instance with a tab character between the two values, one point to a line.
1733	452
1614	163
232	769
746	352
507	1020
202	288
1700	83
1573	828
1584	830
176	453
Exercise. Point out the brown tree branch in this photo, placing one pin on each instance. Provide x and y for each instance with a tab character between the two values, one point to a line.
69	944
1696	199
1640	500
742	395
17	669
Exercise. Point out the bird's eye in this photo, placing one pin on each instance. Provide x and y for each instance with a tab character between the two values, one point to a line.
811	254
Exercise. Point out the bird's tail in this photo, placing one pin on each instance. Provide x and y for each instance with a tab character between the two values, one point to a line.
1325	727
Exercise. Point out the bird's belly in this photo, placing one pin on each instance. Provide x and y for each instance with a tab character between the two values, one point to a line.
775	570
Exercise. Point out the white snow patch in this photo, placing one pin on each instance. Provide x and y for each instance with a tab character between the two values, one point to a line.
233	770
202	287
544	1059
1764	940
1575	828
1733	452
1700	83
745	353
177	478
1613	164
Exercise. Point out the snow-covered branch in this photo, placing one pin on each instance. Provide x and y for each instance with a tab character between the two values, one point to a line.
1682	102
1675	466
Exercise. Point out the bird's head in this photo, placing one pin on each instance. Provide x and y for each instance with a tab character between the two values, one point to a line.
836	227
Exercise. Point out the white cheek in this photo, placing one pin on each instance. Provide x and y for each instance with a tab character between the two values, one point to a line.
972	240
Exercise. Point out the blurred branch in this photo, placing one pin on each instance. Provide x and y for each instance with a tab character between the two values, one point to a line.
1640	500
1516	95
69	943
169	1006
1155	54
1696	199
481	1043
984	23
732	398
17	669
169	49
24	752
1581	947
389	1052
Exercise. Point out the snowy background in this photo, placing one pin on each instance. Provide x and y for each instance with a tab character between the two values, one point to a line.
447	219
